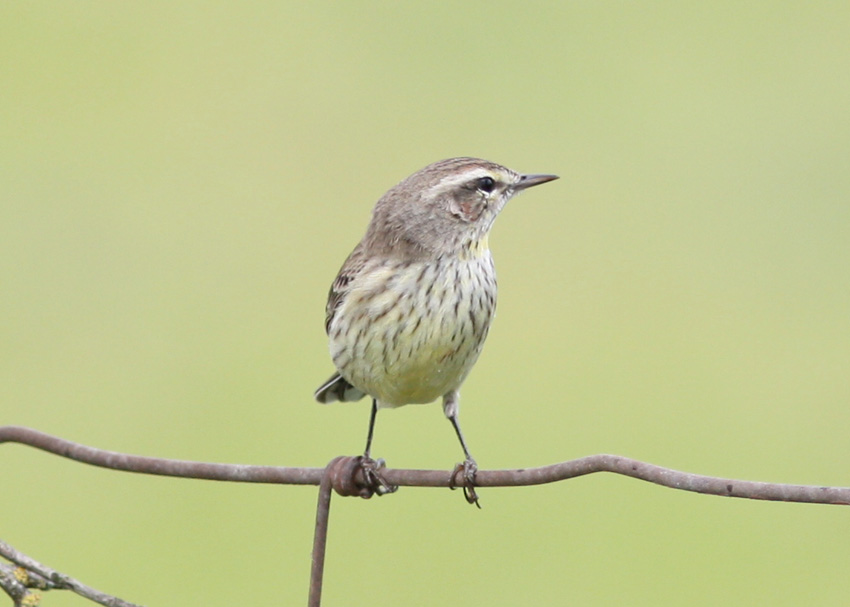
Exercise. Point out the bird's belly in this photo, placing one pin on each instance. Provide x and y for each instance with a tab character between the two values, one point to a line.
406	343
424	373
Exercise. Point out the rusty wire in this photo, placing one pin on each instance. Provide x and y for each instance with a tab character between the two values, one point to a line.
344	475
590	464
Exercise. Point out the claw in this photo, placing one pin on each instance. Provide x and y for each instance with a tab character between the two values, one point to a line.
469	468
375	481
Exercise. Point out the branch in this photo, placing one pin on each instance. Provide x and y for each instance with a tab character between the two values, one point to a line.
16	582
590	464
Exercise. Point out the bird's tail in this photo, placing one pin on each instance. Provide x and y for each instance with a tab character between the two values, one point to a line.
337	388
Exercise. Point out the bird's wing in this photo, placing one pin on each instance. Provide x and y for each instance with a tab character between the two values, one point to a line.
342	283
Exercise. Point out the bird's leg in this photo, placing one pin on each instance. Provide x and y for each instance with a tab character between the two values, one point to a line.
469	468
451	402
371	468
372	417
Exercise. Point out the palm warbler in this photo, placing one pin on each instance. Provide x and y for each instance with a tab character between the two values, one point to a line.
408	313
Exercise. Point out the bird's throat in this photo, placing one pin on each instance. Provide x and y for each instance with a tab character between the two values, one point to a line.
475	249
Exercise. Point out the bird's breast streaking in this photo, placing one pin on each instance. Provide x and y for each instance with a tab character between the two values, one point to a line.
409	332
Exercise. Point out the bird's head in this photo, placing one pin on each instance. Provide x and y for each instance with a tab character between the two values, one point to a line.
446	208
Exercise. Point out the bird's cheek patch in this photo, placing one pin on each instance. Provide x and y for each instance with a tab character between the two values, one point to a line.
467	210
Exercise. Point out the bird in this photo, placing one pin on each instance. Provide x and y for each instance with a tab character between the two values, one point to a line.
408	312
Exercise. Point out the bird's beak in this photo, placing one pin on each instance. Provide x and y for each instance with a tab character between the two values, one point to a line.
526	181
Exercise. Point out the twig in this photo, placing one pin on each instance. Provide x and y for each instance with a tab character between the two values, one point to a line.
15	581
590	464
45	578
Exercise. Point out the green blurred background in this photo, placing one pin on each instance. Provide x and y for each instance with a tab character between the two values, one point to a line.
179	183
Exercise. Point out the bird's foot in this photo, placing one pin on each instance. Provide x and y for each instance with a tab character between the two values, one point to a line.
375	481
469	468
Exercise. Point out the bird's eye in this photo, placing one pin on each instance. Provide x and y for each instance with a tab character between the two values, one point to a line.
486	184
